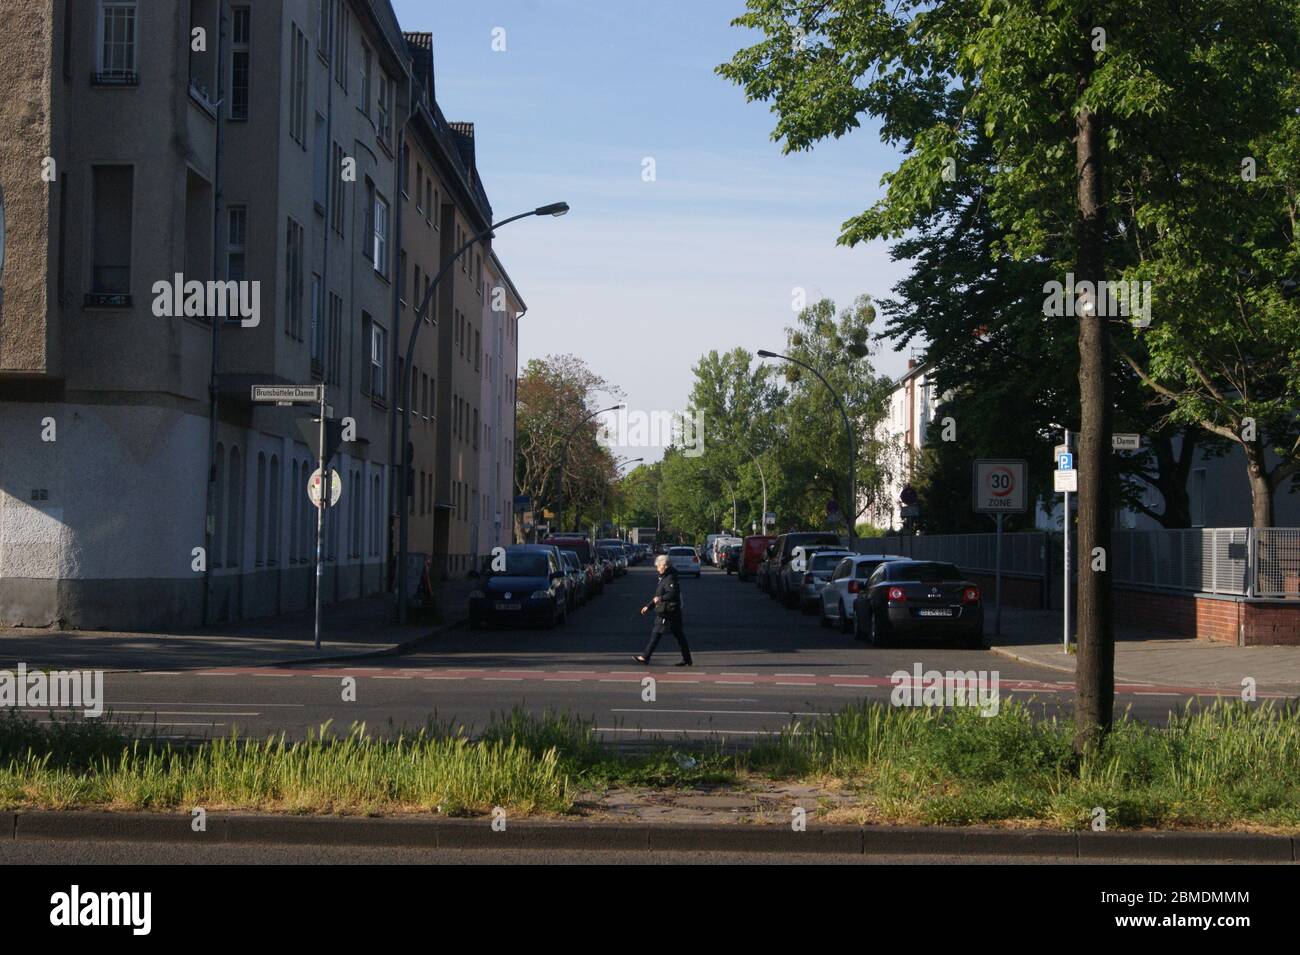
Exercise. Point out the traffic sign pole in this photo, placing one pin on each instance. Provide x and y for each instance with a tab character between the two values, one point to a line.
320	515
1065	524
997	620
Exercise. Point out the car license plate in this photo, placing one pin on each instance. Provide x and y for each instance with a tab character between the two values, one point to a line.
505	606
935	612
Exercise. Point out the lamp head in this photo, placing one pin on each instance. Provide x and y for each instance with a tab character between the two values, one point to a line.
556	209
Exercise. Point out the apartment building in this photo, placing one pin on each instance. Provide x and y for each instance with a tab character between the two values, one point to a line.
268	154
902	433
502	308
460	360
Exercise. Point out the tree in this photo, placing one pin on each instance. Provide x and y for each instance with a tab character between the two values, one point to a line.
1068	95
554	394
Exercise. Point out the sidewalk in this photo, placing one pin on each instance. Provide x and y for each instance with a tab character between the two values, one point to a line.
353	628
1144	657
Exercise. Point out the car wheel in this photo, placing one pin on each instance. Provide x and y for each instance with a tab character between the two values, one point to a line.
879	631
845	625
861	627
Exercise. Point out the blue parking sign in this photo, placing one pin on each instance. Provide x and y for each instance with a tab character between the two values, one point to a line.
1065	462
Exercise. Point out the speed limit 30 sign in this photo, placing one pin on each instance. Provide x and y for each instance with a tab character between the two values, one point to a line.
999	486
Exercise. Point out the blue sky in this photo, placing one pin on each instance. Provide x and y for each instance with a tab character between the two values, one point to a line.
642	278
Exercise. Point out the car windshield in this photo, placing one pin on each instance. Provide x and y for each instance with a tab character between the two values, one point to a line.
865	569
520	565
926	571
680	552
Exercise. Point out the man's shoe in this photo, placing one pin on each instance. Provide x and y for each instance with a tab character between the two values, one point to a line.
640	659
684	663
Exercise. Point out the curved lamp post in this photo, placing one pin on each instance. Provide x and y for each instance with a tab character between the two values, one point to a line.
564	456
848	429
404	394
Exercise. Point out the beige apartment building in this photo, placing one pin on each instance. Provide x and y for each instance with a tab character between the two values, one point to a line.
145	146
503	306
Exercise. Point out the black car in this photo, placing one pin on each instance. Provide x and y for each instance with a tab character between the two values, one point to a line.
531	587
731	560
925	598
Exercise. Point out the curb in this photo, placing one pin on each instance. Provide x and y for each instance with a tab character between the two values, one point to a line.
1007	652
394	832
387	650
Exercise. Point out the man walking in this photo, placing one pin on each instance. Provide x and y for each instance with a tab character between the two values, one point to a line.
667	604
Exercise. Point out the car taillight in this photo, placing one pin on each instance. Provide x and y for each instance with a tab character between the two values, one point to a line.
695	560
853	587
896	594
971	595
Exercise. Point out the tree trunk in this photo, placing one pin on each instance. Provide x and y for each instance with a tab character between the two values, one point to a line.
1095	668
1261	487
1171	477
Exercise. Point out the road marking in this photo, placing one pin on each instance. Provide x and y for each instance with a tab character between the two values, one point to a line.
622	729
556	679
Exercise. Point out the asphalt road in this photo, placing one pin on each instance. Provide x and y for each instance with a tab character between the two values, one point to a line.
758	668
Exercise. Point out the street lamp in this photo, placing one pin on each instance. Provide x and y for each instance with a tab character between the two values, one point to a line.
848	430
404	394
564	456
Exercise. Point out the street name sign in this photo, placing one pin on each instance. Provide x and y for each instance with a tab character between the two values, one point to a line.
1125	442
288	394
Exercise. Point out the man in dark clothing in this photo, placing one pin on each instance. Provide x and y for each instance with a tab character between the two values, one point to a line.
667	604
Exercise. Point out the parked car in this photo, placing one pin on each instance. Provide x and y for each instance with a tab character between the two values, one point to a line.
718	553
753	551
684	560
586	553
579	584
847	581
791	581
924	598
819	563
615	556
731	560
532	588
782	551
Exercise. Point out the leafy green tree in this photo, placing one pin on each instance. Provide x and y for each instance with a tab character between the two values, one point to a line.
1076	98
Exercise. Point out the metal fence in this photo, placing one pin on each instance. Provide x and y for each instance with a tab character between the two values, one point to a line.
1023	553
1244	561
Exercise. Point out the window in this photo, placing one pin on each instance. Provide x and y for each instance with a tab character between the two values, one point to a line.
381	235
322	28
317	330
378	348
385	121
354	516
240	61
273	530
293	279
478	349
419	189
401	277
259	552
337	193
320	166
113	203
218	506
366	61
236	243
342	27
298	89
376	517
418	298
478	274
118	28
235	510
335	339
296	480
433	207
368	243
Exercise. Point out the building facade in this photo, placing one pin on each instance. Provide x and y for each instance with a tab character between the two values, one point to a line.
502	308
197	198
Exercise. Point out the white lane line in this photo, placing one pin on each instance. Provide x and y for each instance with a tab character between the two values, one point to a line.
163	723
196	703
109	711
557	679
161	673
794	674
390	678
780	683
452	678
655	709
849	676
220	674
633	680
503	679
735	683
860	686
283	676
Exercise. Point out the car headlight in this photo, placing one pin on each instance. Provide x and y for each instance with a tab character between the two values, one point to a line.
541	594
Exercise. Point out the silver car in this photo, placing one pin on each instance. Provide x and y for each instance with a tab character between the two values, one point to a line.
847	580
804	578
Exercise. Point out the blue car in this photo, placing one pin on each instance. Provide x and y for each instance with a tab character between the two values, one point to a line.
532	588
